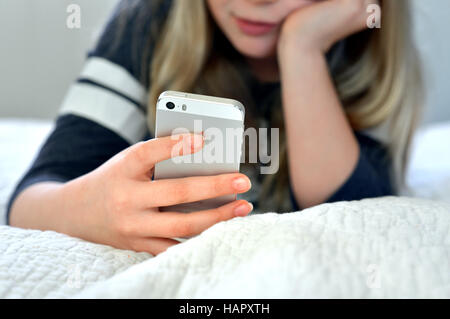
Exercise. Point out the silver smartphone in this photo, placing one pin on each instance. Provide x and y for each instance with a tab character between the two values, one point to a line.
222	123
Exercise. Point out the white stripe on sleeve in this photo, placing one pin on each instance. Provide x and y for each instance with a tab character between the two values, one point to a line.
107	109
115	77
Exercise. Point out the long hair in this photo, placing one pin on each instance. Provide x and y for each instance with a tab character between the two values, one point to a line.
379	83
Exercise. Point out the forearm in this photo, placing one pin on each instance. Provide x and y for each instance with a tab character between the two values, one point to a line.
36	206
322	149
49	206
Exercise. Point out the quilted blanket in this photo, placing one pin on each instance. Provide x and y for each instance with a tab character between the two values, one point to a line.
381	248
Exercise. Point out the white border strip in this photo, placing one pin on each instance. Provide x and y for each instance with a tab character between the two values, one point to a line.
115	77
107	109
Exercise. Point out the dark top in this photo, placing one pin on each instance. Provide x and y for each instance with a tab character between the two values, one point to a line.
104	111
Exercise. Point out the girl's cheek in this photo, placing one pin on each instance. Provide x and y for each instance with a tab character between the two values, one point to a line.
219	10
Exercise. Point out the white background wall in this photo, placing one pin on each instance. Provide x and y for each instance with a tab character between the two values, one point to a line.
40	56
432	19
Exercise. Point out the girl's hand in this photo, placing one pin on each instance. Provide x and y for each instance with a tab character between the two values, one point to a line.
320	25
119	202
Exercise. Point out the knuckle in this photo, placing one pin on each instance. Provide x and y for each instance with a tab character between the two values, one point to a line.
119	208
139	151
126	227
218	216
181	229
218	184
174	146
119	202
223	213
181	192
114	173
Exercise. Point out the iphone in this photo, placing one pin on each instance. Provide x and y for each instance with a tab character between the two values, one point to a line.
220	120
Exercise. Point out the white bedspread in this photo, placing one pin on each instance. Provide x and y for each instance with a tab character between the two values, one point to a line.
391	247
388	247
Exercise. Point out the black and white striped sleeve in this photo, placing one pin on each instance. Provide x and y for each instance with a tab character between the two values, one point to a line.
104	110
107	94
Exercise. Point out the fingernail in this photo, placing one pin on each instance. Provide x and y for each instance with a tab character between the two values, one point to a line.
243	209
241	184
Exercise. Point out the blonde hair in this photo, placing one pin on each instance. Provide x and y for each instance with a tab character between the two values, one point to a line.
381	83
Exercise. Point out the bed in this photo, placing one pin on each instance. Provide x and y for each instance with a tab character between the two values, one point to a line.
392	247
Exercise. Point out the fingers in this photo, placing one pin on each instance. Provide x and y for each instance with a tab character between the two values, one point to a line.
153	246
348	17
169	192
141	157
343	18
174	224
320	25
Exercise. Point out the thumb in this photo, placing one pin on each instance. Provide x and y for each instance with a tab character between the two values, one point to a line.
142	157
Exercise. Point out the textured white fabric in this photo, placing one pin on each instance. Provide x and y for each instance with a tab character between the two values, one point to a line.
390	247
35	264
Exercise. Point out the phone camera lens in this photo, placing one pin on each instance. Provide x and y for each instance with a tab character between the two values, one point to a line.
170	105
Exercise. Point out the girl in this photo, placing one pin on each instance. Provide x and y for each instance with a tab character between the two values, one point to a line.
311	68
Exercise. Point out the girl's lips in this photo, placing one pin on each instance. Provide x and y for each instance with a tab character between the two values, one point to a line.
254	28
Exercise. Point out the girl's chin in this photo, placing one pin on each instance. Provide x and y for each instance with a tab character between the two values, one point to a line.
257	50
